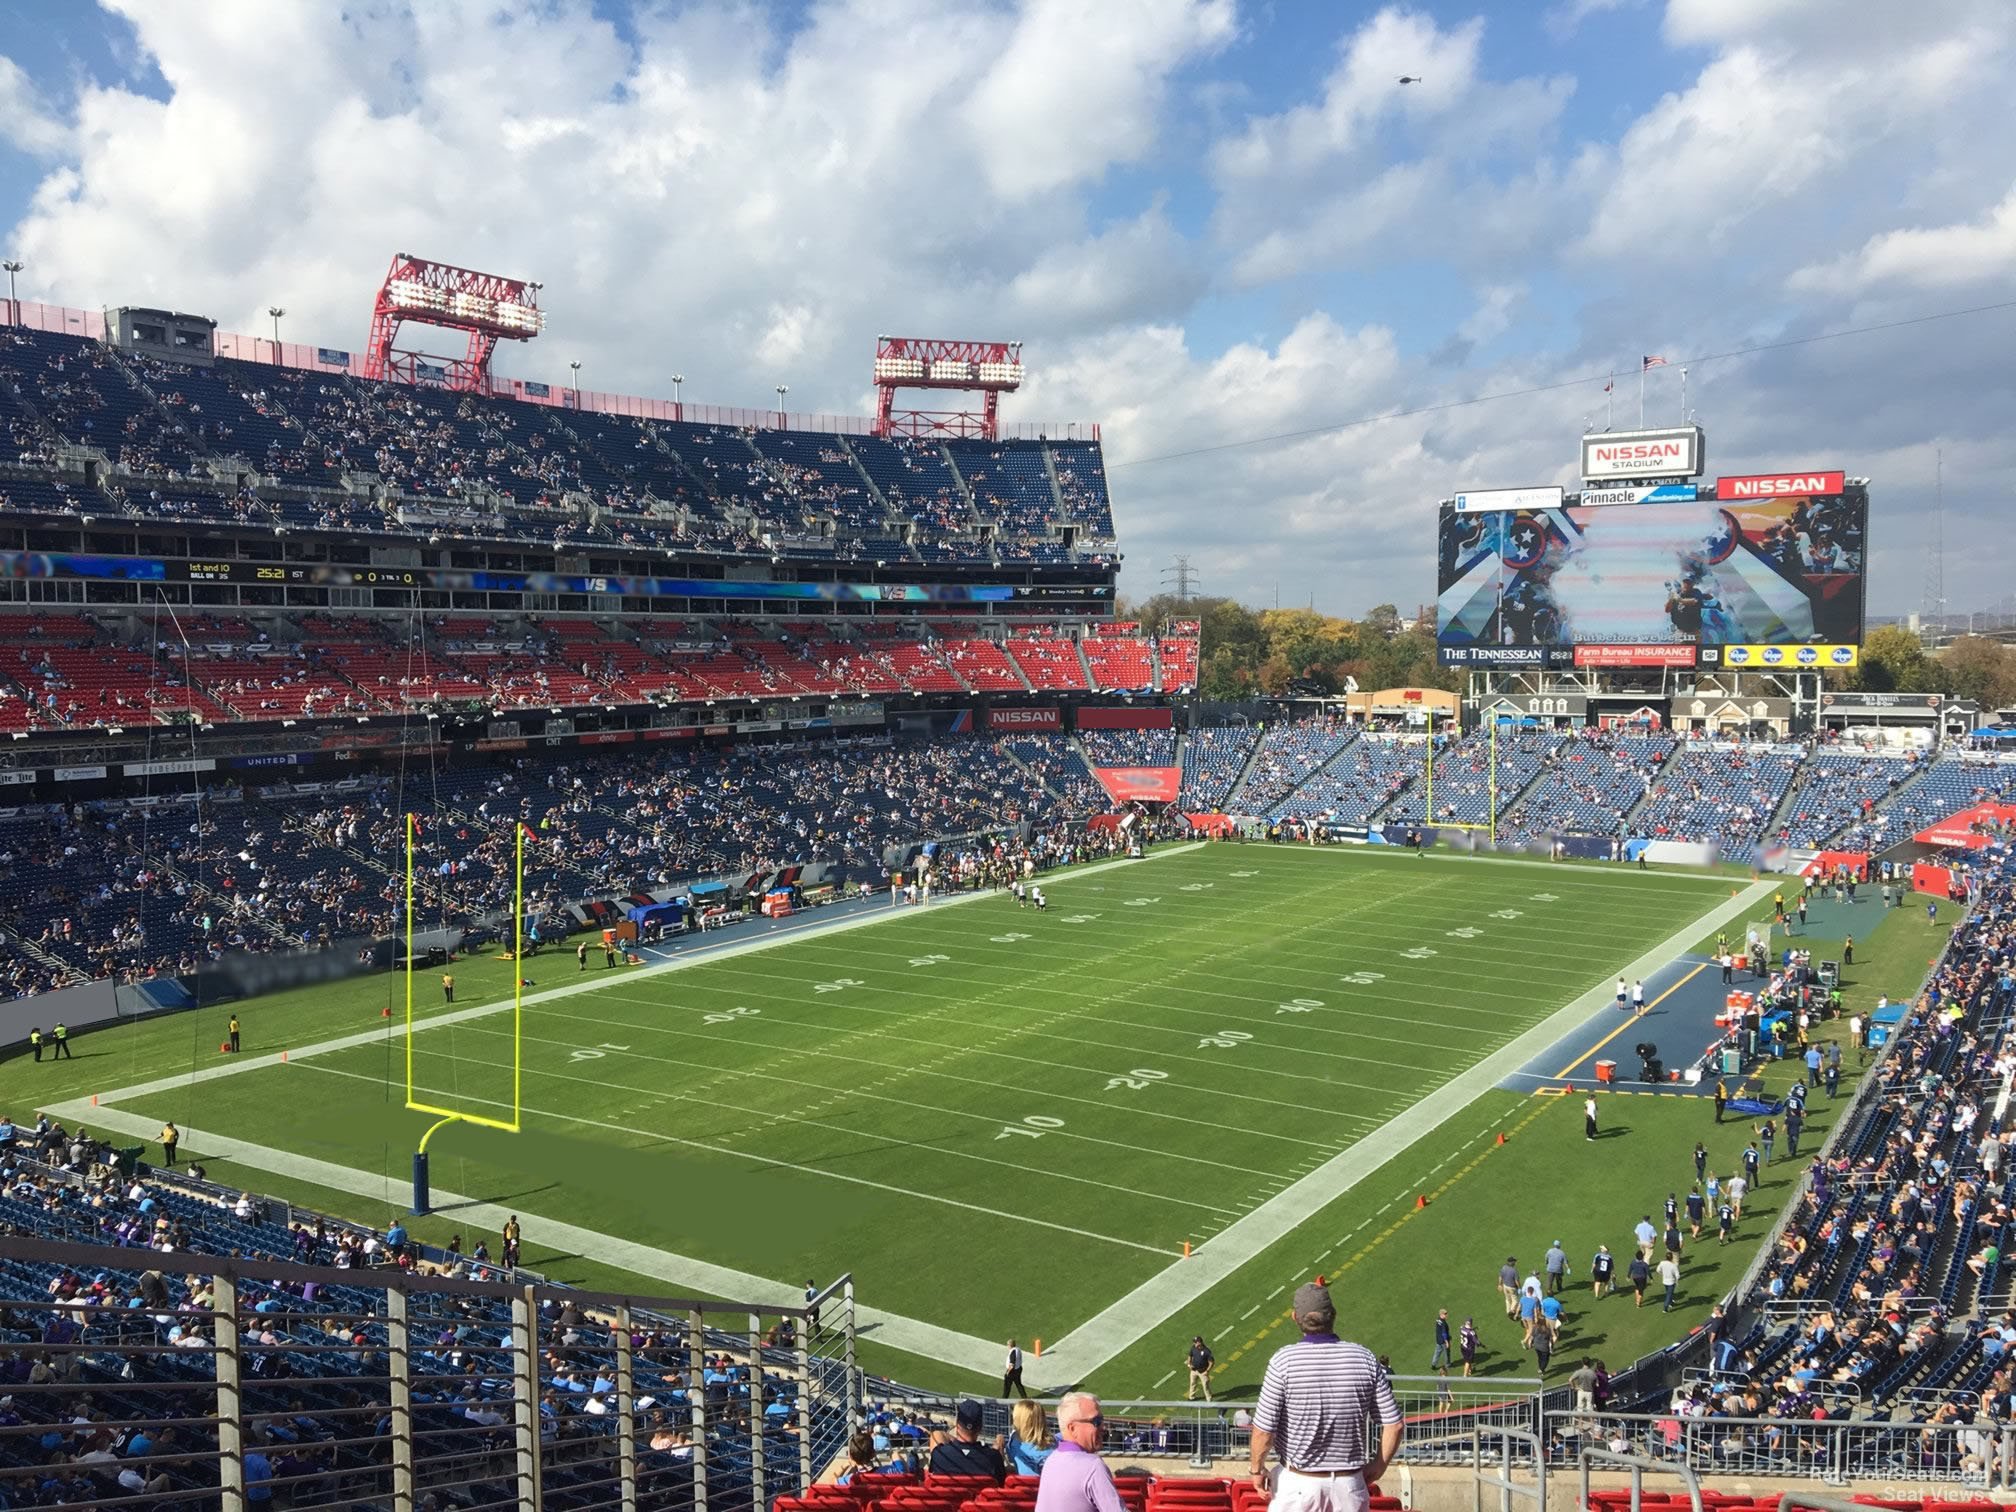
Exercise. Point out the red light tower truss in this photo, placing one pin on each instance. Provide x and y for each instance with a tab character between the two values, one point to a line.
988	368
490	307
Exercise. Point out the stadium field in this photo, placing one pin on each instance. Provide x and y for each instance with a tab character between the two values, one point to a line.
1002	1120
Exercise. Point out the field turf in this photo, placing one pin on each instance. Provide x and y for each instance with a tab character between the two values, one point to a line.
1004	1121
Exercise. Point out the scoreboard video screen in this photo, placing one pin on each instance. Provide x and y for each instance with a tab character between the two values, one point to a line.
1735	580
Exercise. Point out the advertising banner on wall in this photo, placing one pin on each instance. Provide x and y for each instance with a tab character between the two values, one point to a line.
1025	719
1508	498
1780	658
1780	485
1141	784
1126	719
1602	654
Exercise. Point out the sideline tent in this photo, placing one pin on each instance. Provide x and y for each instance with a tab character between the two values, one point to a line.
667	916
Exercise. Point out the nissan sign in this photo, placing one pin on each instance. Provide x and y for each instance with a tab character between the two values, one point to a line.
1780	485
1642	454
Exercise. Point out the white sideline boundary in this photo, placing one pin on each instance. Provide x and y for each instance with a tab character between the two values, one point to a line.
912	1335
1076	1355
1151	1304
945	1345
596	982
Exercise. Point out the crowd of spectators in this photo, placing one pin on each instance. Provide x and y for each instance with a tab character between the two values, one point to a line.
434	463
1129	748
1290	754
1886	1292
1718	792
112	891
114	1364
74	671
1213	759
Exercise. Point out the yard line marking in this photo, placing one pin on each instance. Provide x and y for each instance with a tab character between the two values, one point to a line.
1250	1311
1163	1382
928	1340
1151	1304
1276	1292
840	1094
684	961
786	1165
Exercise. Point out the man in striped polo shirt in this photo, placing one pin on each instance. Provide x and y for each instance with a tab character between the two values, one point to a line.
1316	1399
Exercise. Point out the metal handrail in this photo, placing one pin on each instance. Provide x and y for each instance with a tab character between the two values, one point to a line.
1638	1464
1509	1440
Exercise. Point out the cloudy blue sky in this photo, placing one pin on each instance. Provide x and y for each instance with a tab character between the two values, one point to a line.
1210	221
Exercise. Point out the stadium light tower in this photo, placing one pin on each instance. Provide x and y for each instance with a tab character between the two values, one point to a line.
13	265
988	368
488	306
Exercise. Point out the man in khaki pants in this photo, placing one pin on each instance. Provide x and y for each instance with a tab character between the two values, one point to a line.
1316	1398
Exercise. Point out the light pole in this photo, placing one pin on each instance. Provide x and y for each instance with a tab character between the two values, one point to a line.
782	390
678	409
276	312
13	266
577	383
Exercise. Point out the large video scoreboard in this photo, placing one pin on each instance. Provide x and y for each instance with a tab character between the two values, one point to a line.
1758	571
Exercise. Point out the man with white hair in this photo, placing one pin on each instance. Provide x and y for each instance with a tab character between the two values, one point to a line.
1074	1478
1316	1398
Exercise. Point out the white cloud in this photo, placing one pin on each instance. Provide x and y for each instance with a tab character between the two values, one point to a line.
1141	269
1929	257
1565	19
710	193
1373	166
1079	88
26	121
1362	89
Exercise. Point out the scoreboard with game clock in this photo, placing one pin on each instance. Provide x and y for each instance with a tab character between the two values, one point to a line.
1751	572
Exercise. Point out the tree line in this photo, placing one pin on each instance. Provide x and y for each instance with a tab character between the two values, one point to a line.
1276	653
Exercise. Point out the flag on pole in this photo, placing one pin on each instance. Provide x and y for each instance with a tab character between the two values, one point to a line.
1652	362
1608	387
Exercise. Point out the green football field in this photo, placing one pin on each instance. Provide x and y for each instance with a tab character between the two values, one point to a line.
1002	1121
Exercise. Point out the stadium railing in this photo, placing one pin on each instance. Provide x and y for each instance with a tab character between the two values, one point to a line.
382	1387
1443	1416
1835	1451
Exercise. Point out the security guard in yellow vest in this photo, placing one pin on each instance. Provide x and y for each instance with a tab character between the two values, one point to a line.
35	1042
62	1037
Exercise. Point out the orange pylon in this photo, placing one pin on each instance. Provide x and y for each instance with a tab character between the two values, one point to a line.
1420	1202
1501	1137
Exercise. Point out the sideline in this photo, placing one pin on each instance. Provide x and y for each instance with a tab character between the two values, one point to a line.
945	1345
684	961
911	1335
1151	1304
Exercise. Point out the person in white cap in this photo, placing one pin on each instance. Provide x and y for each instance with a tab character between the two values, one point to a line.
1316	1399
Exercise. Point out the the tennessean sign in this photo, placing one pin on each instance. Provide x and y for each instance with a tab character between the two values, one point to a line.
1674	453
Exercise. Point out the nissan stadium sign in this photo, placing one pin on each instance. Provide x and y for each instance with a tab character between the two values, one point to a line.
1617	455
